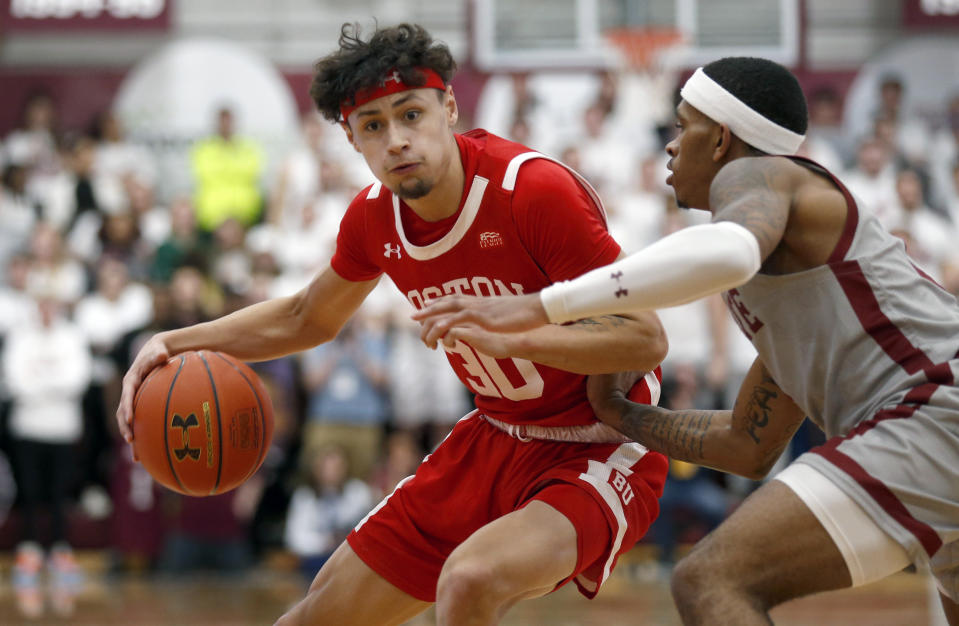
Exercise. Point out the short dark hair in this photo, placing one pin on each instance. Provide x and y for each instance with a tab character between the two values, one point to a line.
765	87
359	64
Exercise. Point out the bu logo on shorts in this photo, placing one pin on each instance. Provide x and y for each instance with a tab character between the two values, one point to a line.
622	486
390	250
185	424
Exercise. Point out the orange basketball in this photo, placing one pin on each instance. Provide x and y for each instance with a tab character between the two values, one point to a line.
202	423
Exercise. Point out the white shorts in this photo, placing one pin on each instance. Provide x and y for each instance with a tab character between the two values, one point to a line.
869	552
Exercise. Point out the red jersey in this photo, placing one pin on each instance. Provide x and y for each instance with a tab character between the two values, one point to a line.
524	222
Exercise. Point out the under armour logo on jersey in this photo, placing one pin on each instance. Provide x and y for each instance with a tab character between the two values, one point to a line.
390	250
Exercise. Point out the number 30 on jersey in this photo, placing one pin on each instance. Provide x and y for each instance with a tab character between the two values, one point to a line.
486	377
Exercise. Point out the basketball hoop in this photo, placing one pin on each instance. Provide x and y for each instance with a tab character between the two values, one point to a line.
643	49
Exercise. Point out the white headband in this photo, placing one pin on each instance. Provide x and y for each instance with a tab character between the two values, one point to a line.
715	102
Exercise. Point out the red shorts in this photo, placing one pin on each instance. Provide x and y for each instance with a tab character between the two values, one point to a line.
608	491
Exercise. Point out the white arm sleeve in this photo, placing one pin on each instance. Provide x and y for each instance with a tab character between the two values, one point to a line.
679	268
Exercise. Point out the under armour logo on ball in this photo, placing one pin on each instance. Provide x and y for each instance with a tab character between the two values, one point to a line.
390	250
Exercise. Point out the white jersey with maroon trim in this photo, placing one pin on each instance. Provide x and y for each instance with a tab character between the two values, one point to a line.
854	335
866	345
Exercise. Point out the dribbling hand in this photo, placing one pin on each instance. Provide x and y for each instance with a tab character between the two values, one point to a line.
153	353
498	314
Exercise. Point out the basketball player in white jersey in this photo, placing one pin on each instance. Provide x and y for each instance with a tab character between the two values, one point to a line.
849	333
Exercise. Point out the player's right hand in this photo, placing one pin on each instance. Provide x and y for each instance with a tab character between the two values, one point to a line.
495	313
153	353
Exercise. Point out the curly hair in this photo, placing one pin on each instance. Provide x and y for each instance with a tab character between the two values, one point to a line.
359	64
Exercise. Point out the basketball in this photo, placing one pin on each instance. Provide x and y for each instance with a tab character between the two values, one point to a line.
202	423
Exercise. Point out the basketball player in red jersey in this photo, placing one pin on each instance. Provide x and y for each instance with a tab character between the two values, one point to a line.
530	491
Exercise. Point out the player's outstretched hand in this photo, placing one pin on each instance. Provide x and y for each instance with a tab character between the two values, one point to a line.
608	393
153	353
498	313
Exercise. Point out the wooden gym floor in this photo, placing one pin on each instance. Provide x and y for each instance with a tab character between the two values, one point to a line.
260	596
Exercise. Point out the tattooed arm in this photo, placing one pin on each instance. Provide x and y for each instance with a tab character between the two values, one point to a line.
745	441
607	343
757	194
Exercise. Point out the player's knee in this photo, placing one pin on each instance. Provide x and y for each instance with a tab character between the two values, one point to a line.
692	577
287	619
465	582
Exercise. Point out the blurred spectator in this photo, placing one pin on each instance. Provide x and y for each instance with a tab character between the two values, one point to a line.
346	383
184	244
929	237
884	131
33	143
324	509
402	455
230	262
47	366
826	143
52	271
953	205
608	158
297	184
505	100
636	217
193	298
17	307
691	498
426	396
306	240
75	198
226	173
910	131
118	158
137	527
18	212
873	181
119	237
116	308
207	534
511	101
303	250
944	160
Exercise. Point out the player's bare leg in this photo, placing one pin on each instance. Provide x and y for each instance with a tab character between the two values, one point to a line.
770	550
521	555
346	591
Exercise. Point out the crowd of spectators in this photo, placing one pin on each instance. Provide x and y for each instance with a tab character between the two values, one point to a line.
94	259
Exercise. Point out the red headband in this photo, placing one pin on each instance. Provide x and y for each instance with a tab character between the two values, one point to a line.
390	85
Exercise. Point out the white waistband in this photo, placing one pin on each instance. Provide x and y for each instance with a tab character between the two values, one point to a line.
587	433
